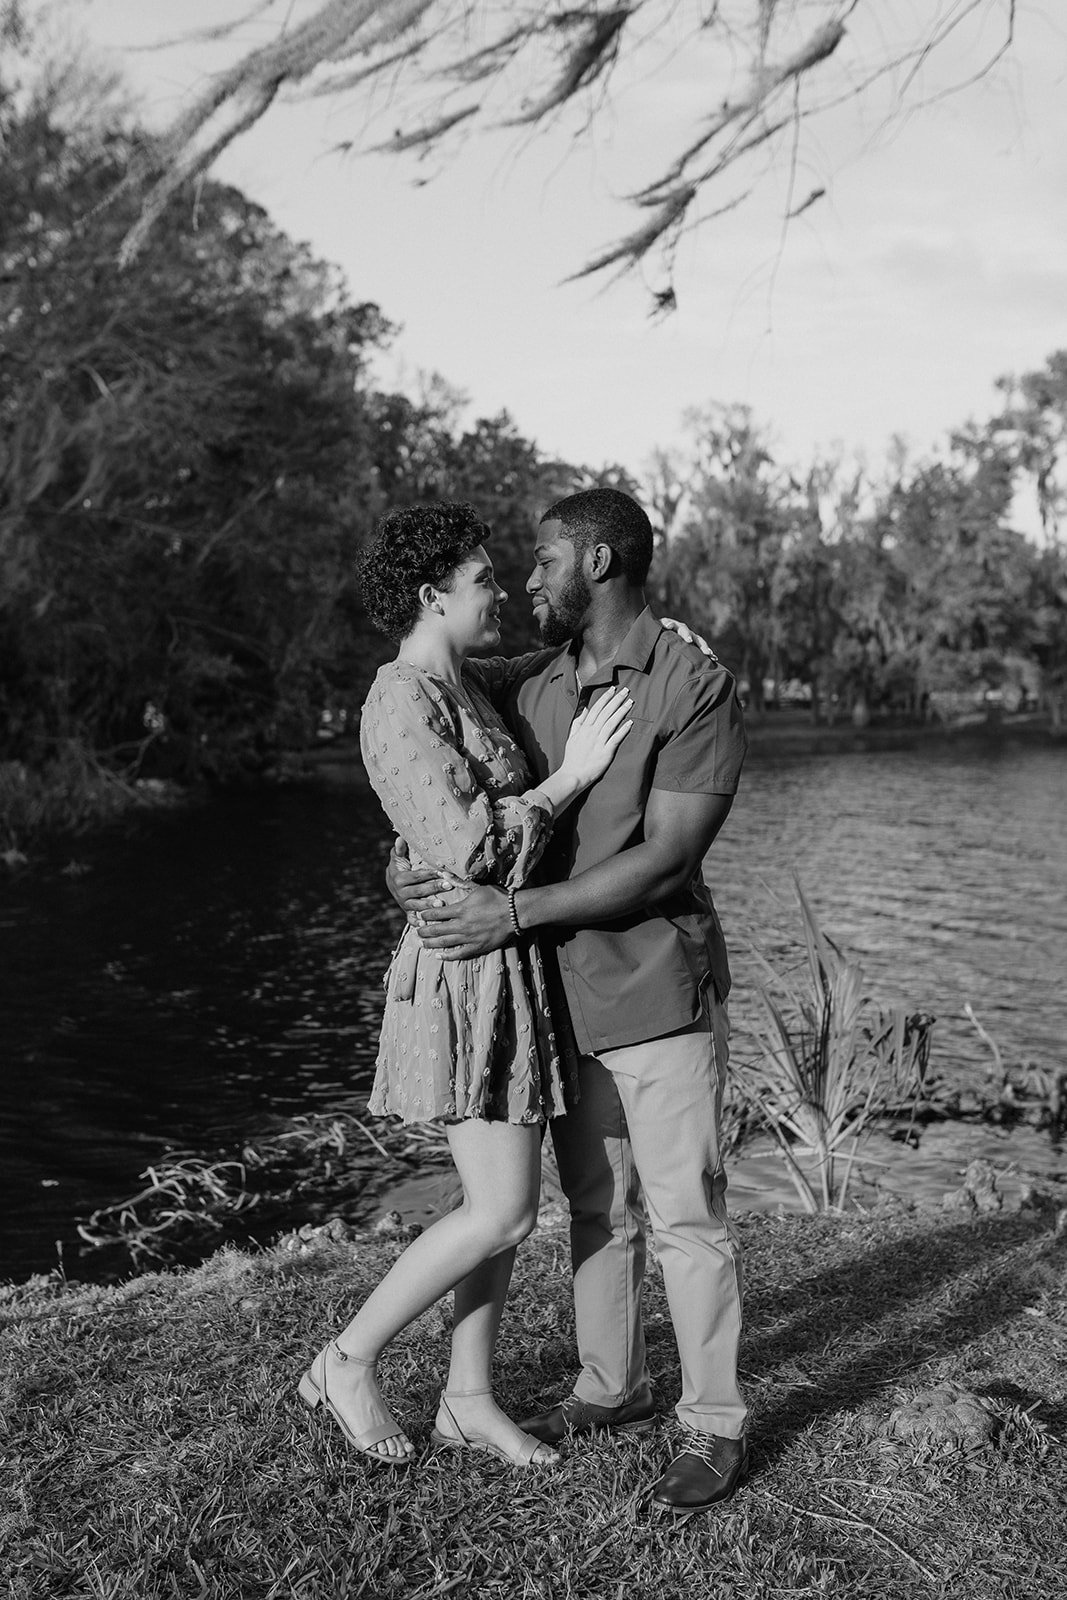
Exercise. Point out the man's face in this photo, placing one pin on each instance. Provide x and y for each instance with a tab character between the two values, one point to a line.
557	586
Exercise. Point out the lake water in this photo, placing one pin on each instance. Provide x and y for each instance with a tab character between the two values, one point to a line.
218	970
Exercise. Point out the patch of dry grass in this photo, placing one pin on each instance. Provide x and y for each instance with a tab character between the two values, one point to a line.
152	1443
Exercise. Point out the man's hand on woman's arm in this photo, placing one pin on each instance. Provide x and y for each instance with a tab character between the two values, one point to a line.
478	923
486	920
413	889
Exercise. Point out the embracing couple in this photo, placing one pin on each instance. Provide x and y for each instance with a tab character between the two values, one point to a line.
562	963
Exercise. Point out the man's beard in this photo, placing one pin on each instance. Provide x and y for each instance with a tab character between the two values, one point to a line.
560	622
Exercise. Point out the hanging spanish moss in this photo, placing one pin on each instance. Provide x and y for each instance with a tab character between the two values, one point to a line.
766	66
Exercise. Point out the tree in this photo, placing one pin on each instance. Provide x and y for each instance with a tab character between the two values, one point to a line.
734	512
1031	431
445	65
1048	609
819	581
187	464
879	596
191	456
1033	426
958	575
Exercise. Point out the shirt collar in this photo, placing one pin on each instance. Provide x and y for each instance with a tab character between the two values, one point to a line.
635	651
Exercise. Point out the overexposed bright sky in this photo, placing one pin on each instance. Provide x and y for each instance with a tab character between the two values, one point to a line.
936	263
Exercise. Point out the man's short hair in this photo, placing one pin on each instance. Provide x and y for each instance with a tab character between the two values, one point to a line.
607	516
410	547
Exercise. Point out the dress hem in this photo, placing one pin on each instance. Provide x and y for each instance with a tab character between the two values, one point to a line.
447	1119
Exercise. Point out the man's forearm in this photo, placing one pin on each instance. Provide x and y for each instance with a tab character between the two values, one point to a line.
638	877
679	830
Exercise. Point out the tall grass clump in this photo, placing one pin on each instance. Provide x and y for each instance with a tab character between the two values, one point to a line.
828	1064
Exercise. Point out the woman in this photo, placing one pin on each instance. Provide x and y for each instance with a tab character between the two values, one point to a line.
466	1043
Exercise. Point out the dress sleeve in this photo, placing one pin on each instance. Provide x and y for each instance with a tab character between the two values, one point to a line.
431	795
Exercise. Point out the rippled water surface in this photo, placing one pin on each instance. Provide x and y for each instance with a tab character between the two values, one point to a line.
192	983
944	870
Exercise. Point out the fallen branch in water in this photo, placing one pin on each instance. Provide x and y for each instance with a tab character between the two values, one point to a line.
186	1194
1025	1093
987	1038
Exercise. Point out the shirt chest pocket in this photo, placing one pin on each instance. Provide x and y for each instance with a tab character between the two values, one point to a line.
632	762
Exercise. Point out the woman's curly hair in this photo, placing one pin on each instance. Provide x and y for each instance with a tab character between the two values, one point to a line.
410	547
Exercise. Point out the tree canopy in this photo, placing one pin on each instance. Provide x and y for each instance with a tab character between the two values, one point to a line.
192	452
910	595
193	449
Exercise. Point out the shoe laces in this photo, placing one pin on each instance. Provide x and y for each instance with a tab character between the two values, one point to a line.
696	1443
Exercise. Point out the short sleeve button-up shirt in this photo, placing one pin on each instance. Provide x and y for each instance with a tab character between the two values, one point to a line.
639	976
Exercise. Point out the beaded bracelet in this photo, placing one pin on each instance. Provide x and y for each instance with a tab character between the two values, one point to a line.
512	912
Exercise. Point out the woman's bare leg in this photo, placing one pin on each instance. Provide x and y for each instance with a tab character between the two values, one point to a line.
478	1307
499	1166
479	1303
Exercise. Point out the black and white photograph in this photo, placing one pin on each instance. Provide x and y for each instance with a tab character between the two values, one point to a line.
533	800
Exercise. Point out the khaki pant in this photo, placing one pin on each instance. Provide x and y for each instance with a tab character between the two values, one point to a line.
648	1121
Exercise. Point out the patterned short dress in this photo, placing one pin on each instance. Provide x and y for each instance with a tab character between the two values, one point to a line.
469	1038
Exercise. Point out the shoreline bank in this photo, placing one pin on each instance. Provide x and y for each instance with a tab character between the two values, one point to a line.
189	1468
36	811
339	1162
786	732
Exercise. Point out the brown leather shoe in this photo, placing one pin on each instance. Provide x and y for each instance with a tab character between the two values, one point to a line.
582	1416
707	1471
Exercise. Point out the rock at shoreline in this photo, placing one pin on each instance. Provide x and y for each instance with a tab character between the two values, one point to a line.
306	1237
337	1231
978	1191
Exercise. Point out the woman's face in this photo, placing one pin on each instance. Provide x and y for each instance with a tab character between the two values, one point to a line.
471	608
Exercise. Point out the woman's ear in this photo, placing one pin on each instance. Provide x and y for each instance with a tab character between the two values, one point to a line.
428	598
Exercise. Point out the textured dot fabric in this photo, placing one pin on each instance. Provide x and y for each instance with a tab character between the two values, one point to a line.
461	1038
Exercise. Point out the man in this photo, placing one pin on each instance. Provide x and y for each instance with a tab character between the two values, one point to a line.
643	966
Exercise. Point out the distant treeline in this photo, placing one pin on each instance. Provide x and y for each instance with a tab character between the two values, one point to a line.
193	450
899	595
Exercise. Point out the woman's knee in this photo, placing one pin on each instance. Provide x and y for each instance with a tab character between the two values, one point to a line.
507	1226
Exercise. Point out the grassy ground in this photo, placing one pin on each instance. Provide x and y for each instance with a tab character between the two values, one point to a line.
151	1444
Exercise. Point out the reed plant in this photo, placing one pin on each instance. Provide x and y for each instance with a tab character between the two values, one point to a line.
827	1064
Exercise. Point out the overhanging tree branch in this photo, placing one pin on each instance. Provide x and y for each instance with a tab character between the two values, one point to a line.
534	61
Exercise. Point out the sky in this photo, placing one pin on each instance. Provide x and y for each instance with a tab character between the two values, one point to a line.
936	263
